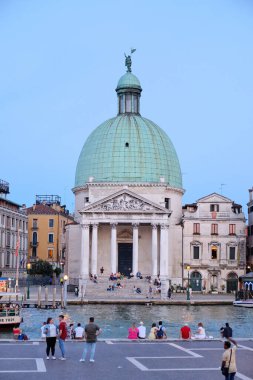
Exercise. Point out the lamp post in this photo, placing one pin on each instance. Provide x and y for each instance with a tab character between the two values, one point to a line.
188	284
28	267
9	283
65	278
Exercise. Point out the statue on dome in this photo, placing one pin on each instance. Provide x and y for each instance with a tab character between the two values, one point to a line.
128	61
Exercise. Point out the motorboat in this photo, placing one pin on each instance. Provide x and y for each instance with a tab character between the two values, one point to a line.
10	310
243	303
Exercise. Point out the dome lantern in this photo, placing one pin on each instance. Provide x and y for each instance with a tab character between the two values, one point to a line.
129	90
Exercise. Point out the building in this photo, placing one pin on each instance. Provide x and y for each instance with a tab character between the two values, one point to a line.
13	229
214	243
250	232
47	219
128	196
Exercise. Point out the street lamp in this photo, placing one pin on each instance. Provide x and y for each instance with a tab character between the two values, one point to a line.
188	284
28	267
9	283
65	278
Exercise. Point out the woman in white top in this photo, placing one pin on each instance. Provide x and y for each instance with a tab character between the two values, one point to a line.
51	333
201	333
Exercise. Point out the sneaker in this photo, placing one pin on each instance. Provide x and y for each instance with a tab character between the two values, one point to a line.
92	360
47	357
81	360
53	357
62	358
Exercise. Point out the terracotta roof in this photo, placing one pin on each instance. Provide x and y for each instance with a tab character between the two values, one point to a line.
42	210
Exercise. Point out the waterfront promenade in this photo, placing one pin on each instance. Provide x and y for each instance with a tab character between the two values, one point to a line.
119	297
122	359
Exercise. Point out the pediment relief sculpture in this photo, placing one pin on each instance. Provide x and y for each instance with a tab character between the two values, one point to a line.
124	202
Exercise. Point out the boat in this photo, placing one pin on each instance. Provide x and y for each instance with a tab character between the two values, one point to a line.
243	303
10	306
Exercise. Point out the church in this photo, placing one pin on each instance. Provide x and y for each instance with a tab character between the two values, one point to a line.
128	196
129	216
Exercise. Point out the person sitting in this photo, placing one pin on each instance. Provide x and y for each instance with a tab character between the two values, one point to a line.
119	286
161	331
185	332
95	279
142	331
79	332
22	336
138	275
133	332
138	290
16	332
201	333
155	282
109	289
152	334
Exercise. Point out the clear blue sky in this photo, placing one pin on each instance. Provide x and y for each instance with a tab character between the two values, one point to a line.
60	63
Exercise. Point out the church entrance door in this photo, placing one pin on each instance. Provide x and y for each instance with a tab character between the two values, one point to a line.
125	258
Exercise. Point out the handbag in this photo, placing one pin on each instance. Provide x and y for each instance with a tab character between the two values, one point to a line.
224	370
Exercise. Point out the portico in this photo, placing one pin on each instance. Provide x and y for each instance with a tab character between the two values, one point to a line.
130	219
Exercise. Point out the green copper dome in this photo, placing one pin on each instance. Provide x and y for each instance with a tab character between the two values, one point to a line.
128	80
128	148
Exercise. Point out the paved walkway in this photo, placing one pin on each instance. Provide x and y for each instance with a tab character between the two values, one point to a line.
123	360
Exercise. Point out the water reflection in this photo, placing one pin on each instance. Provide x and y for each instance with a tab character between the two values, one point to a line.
115	319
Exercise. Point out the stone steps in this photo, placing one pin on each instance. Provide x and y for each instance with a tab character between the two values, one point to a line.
99	289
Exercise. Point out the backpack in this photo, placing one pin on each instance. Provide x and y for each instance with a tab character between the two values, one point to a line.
160	333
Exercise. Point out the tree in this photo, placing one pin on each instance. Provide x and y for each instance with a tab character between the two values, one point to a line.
41	267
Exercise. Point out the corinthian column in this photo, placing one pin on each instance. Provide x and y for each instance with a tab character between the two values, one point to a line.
135	247
113	247
164	260
85	251
154	249
94	248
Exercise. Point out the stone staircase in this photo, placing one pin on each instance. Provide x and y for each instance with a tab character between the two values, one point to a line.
99	290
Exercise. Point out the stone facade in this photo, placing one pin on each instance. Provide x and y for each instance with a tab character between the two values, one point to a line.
214	243
112	218
13	226
250	232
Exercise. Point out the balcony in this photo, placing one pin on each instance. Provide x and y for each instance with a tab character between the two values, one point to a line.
34	244
35	227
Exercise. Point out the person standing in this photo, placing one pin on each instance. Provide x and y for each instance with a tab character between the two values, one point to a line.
91	331
50	333
63	332
228	365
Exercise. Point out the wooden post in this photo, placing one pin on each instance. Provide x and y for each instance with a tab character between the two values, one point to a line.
54	297
62	303
39	296
25	292
82	295
46	296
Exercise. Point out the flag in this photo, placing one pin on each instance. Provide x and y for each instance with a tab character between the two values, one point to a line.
17	247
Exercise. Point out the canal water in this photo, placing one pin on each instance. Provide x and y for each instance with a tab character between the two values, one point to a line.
116	319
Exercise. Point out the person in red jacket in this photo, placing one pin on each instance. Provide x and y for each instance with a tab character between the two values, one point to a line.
62	336
185	332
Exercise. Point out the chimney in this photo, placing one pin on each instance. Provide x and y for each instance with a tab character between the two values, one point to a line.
250	194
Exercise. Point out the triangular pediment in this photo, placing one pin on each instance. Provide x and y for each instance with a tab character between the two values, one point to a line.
125	201
214	198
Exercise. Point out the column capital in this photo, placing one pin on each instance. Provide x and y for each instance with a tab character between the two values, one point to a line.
154	226
135	225
95	225
164	226
113	225
85	226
